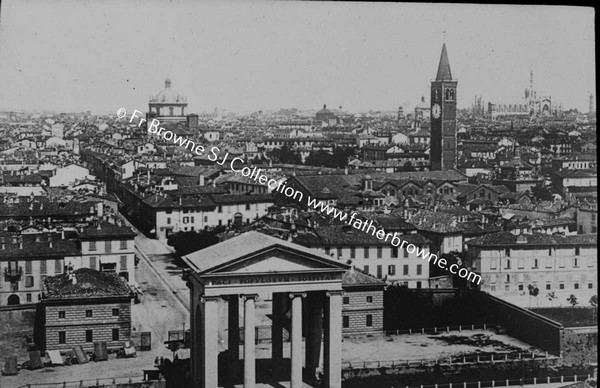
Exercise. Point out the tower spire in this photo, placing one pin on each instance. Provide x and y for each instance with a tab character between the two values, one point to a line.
444	73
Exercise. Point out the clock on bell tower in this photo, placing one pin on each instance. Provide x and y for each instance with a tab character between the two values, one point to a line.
443	117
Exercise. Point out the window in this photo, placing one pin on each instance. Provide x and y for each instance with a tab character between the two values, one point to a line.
493	288
379	252
123	260
346	300
168	220
61	315
576	286
369	299
339	251
507	278
535	263
346	321
576	251
405	254
327	251
62	337
507	252
366	269
57	266
419	284
369	320
366	252
391	270
28	281
548	286
520	287
89	337
43	268
507	264
247	206
419	269
92	245
352	252
28	298
123	244
88	313
28	266
220	209
590	285
507	287
575	262
405	269
186	220
549	251
493	264
115	312
115	334
394	252
107	246
561	286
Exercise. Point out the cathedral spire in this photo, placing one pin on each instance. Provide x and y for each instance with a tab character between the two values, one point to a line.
443	73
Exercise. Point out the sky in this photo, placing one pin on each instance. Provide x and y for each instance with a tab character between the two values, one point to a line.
72	56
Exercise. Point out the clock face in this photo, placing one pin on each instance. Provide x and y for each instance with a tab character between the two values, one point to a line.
436	111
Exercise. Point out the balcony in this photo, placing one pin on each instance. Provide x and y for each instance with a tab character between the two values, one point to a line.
13	273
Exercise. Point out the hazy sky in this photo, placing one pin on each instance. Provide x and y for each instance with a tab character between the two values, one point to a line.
245	56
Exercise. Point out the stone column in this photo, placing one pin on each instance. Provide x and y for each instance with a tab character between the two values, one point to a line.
314	333
210	337
233	337
277	330
333	345
249	342
296	379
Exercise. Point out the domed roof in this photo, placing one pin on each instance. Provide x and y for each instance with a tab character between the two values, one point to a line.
168	95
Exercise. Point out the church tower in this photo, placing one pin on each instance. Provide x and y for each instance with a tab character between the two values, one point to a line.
443	117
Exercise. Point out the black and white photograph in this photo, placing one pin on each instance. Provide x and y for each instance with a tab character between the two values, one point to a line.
297	194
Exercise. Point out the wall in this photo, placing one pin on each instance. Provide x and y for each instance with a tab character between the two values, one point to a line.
358	308
527	326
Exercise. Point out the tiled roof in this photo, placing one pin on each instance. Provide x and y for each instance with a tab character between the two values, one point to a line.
509	239
106	229
60	248
89	283
354	277
346	235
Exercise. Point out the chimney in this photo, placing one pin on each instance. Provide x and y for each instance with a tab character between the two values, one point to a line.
201	180
74	279
98	225
100	209
49	242
346	171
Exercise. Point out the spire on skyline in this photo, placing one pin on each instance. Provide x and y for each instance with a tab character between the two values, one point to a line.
444	73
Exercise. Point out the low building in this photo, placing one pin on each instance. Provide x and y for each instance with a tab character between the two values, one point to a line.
84	307
362	304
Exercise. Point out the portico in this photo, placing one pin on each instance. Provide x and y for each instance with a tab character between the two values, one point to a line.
306	290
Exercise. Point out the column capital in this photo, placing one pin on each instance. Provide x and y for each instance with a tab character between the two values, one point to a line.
204	299
293	295
335	293
249	296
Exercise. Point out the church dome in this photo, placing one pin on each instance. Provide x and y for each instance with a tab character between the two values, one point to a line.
168	95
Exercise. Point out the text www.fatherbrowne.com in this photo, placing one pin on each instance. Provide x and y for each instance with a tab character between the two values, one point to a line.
313	203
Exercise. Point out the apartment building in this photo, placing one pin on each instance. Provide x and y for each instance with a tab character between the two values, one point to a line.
557	265
371	255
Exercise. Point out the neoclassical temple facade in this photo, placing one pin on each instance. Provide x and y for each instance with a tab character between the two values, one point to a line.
306	290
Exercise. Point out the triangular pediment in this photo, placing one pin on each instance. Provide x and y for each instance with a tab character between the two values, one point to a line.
277	259
253	252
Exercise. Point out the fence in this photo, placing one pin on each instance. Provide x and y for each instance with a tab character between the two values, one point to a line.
107	382
263	334
441	329
466	359
505	383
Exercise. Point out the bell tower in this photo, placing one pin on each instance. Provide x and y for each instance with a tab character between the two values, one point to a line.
443	117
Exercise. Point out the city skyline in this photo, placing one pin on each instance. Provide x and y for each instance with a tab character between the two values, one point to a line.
265	56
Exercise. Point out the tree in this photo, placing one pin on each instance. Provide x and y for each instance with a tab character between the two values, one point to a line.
188	242
533	291
551	296
541	193
572	299
594	304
